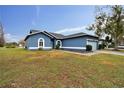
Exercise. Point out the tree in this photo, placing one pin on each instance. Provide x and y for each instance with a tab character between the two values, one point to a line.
11	45
108	40
2	41
21	43
110	22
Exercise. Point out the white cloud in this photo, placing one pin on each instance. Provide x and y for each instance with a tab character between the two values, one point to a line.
11	38
73	30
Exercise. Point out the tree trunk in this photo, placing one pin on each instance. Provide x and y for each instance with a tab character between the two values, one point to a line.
1	36
116	44
107	45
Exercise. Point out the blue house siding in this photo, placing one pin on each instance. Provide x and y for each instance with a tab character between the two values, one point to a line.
32	41
76	43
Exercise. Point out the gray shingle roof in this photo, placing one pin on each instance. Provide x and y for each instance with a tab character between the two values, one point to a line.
60	36
75	35
34	31
38	33
57	36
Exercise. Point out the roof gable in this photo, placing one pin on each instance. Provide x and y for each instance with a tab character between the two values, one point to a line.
58	36
37	33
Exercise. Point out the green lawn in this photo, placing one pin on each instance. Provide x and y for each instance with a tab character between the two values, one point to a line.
23	68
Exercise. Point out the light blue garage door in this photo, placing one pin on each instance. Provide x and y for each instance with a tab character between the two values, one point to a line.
93	44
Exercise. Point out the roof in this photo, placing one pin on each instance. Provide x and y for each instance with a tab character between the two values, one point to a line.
56	35
37	33
34	31
60	36
75	35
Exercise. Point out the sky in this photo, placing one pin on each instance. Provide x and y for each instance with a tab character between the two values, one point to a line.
18	20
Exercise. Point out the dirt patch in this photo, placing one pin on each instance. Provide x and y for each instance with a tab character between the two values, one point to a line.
38	57
108	63
56	55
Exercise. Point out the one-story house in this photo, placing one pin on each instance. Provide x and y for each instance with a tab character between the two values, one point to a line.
48	40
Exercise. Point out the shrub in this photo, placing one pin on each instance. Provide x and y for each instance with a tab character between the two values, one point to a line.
88	48
111	45
57	46
40	49
10	45
100	46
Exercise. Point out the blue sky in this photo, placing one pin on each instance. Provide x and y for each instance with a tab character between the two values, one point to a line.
18	20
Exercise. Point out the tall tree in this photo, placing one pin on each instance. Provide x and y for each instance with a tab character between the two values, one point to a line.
2	41
110	23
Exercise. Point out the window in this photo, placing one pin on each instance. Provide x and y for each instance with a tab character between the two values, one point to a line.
41	43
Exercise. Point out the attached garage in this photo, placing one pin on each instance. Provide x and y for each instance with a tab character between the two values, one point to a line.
93	43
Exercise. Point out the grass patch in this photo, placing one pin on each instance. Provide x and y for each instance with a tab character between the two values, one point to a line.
119	50
23	68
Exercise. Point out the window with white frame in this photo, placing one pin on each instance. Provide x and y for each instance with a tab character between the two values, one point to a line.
40	43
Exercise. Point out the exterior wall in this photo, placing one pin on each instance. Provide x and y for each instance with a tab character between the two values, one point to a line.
32	41
76	43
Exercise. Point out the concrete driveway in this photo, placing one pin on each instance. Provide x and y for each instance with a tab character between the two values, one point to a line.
96	52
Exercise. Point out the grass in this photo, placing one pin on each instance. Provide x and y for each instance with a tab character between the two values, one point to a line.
122	50
119	50
23	68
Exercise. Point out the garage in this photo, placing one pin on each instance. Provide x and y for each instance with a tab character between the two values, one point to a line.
93	43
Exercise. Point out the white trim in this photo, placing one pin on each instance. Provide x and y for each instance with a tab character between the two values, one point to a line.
43	42
90	40
60	43
74	47
47	48
32	48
